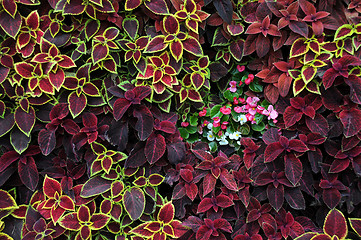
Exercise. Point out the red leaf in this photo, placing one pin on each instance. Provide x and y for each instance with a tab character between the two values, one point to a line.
351	121
356	225
331	197
25	120
275	196
272	151
329	77
134	202
203	233
193	46
204	205
70	221
47	141
291	116
318	124
335	224
299	27
298	48
132	4
6	200
76	103
8	158
263	45
155	45
157	6
171	25
293	168
154	148
209	182
24	69
145	122
228	180
11	25
223	225
99	53
95	186
10	7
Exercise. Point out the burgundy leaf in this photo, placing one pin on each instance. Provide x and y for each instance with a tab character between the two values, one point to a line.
154	148
134	202
145	122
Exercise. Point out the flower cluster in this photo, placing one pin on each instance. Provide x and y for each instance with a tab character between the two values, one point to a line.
238	116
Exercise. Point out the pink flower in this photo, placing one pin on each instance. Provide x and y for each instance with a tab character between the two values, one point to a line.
251	76
241	68
260	109
270	112
233	87
225	110
205	123
220	133
252	101
224	125
242	100
185	124
203	112
235	101
247	81
216	122
238	109
249	117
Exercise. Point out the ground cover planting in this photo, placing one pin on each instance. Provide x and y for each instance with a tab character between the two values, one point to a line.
180	119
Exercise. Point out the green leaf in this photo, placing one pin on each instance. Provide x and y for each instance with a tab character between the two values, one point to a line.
244	129
193	120
258	127
215	111
255	87
228	95
213	146
184	133
191	129
258	118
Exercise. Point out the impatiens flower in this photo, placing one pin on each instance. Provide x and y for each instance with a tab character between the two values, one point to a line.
242	119
270	112
241	68
224	125
203	112
210	136
185	124
225	110
235	136
233	86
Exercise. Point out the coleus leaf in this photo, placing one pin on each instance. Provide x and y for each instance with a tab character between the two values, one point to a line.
28	173
335	224
25	120
47	141
155	147
7	202
95	186
351	121
134	202
356	225
145	122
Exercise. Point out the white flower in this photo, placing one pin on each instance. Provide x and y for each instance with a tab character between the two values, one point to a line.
226	133
209	126
222	140
210	136
236	135
239	142
242	119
